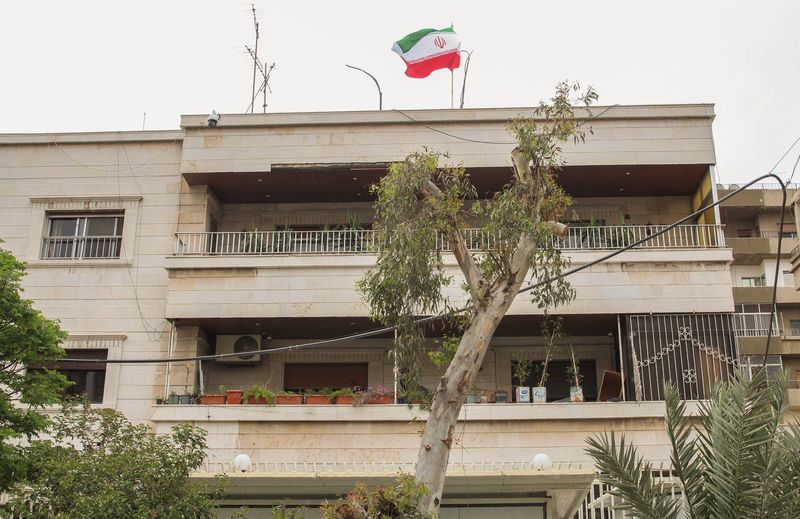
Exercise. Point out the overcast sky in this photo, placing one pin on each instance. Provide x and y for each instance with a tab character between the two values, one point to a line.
99	65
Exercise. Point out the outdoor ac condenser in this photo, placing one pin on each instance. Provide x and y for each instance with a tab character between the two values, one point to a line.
239	344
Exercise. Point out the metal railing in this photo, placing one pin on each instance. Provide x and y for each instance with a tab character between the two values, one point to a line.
754	324
762	185
81	247
776	234
265	243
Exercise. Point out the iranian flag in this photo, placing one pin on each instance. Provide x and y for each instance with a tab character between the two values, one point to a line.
429	49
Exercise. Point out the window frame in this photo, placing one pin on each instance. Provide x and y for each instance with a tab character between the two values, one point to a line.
77	243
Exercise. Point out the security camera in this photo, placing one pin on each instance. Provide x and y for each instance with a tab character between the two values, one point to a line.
213	119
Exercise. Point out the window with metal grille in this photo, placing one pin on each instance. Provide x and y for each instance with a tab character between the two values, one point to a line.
83	236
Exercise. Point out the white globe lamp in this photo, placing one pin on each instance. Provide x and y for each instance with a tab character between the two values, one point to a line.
542	462
242	463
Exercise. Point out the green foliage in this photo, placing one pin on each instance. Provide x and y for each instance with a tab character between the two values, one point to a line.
443	356
27	338
96	464
282	512
397	500
522	369
422	203
741	460
418	395
552	331
257	391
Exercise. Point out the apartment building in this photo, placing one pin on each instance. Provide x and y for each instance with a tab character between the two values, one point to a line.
251	235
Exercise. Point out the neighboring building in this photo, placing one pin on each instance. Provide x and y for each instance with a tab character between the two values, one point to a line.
179	243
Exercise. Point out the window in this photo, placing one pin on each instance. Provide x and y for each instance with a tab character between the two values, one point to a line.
754	282
83	236
88	378
788	278
753	364
794	327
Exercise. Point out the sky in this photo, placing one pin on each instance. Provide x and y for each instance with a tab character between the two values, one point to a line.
88	65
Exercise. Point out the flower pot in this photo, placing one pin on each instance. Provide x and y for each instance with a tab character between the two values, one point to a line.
345	399
173	399
539	395
289	399
185	399
233	396
381	399
212	399
257	400
472	398
523	394
318	399
575	393
501	397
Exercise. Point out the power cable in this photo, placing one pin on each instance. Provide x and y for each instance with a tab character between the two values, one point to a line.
476	141
386	329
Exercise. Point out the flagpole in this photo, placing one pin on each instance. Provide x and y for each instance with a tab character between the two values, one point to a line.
452	105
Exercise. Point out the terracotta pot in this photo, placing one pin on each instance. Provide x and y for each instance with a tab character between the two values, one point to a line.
233	396
346	399
318	399
289	399
381	399
257	400
212	399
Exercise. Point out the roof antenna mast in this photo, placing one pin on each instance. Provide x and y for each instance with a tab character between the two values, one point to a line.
264	70
255	58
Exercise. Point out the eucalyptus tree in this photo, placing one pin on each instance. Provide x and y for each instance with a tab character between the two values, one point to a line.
420	203
739	457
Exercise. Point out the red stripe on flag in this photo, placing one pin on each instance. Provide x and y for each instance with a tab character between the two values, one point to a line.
421	69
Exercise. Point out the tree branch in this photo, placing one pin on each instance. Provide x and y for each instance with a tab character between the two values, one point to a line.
461	252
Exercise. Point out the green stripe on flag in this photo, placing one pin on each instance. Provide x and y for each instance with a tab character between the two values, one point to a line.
410	40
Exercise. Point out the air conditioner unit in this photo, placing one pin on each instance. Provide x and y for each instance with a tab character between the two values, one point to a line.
239	344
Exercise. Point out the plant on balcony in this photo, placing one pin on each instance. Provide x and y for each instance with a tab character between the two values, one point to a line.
234	396
345	395
552	329
521	369
253	240
213	398
259	394
421	199
378	395
319	396
739	458
574	378
288	398
396	500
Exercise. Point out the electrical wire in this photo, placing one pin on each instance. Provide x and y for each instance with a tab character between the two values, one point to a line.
477	141
386	329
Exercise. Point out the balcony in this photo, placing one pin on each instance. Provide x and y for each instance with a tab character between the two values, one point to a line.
338	242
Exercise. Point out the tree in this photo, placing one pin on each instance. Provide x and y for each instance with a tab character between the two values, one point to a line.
418	203
738	459
27	338
96	464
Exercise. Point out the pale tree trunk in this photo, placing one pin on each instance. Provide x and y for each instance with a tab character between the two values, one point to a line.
448	398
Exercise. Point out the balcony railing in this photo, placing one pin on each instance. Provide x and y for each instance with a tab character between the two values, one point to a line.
81	247
762	185
754	324
332	242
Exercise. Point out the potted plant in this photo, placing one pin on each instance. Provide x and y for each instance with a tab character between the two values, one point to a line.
257	394
346	395
501	396
173	398
379	395
319	397
288	398
233	396
213	398
551	327
522	370
574	376
472	396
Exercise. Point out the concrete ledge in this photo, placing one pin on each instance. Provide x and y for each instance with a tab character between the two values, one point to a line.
402	413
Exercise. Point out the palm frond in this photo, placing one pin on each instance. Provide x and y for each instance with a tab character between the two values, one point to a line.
632	479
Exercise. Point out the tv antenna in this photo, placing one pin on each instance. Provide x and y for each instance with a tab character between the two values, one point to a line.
263	70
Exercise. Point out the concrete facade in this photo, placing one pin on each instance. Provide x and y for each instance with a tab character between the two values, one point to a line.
260	174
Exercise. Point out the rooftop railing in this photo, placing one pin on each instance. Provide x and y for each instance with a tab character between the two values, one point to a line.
333	242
